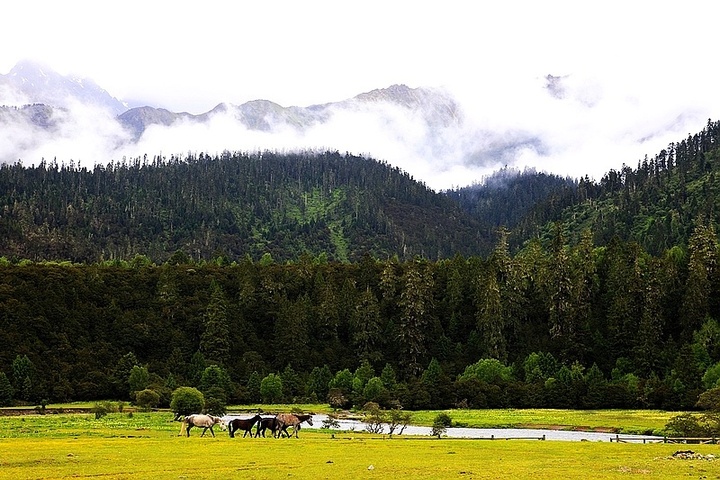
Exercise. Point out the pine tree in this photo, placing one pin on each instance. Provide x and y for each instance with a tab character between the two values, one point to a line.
415	317
214	341
702	267
366	327
6	390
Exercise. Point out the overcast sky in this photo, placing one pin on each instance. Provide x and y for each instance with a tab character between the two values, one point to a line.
639	74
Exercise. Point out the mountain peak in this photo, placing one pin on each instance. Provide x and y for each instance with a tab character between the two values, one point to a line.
38	83
31	68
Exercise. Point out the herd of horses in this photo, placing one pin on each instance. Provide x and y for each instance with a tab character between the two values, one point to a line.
278	425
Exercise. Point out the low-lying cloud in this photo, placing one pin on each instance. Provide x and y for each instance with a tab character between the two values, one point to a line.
565	125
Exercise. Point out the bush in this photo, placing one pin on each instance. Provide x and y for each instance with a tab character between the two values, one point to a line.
186	401
331	422
709	400
685	425
147	399
440	424
215	403
101	409
689	425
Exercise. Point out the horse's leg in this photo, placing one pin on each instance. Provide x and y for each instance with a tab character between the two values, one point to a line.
211	431
187	430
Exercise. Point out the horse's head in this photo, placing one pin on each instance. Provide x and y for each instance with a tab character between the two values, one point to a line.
221	422
309	420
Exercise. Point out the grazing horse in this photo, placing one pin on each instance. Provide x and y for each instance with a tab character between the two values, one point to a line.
245	424
204	421
265	423
294	420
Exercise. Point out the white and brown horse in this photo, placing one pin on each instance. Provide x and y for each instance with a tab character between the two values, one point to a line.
286	420
202	421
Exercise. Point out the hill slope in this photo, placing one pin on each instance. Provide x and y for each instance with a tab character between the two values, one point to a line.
656	204
229	206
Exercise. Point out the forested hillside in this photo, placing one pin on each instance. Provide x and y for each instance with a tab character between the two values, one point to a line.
228	206
511	198
657	204
340	279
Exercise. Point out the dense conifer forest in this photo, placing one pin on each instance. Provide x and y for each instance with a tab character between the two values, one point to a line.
155	274
229	205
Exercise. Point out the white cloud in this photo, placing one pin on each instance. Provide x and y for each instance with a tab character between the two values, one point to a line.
638	75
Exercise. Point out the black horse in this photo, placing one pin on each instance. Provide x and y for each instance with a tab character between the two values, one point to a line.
266	423
245	424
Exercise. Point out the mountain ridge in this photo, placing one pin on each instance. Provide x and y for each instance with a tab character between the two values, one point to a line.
41	84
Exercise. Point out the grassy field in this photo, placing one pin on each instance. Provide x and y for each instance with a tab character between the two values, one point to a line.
147	445
648	422
651	422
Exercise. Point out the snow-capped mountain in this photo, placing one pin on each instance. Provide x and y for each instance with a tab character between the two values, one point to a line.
433	106
32	83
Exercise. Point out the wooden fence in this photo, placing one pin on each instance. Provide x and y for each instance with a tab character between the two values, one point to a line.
683	440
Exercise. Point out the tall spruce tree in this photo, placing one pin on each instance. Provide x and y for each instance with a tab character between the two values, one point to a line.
702	267
214	341
416	303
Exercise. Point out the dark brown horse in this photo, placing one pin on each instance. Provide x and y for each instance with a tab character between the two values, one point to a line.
294	420
245	424
266	423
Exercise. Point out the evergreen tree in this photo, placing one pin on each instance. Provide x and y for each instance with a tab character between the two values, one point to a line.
6	390
23	377
318	383
214	341
253	387
490	316
138	379
367	328
702	267
271	388
415	317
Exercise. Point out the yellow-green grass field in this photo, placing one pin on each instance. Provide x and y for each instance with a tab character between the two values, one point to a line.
147	445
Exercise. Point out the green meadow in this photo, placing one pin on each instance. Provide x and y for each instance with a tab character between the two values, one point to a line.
147	445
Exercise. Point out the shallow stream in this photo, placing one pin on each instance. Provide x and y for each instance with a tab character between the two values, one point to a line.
346	425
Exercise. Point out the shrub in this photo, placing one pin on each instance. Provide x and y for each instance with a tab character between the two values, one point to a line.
100	409
709	400
331	422
186	401
440	424
215	402
147	399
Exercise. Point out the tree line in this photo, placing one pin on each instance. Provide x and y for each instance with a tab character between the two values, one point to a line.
554	325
